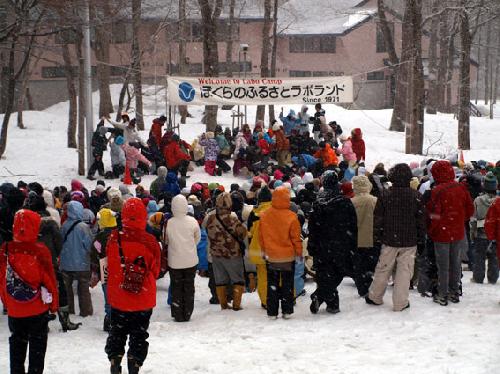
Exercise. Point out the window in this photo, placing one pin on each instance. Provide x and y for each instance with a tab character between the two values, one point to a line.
312	44
375	76
381	47
122	33
196	32
299	73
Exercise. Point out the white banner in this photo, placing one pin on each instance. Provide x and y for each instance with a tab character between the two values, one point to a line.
255	91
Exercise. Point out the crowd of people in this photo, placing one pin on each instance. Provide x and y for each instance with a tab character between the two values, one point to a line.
308	207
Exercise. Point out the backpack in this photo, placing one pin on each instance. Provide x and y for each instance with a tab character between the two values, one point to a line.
16	287
134	271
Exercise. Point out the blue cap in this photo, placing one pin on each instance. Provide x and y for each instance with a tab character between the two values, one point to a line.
119	140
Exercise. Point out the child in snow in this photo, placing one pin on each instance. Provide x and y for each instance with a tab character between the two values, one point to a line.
211	152
133	157
99	145
118	159
358	144
346	150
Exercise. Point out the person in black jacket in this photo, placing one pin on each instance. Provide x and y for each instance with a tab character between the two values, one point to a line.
333	236
99	145
399	225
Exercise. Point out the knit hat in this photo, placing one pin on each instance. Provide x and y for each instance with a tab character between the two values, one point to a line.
264	195
361	184
36	202
155	220
193	199
277	183
234	187
346	189
490	182
162	172
330	180
308	177
276	126
119	140
106	218
209	135
224	201
400	175
212	186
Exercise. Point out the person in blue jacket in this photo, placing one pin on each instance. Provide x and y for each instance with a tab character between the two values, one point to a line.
289	122
202	252
75	258
172	184
304	161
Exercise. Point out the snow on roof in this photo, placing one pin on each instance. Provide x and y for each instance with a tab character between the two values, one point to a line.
321	16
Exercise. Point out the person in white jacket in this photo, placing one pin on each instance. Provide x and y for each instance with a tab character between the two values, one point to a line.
182	234
130	133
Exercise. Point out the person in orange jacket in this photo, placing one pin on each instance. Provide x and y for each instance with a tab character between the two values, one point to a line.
327	155
280	241
28	288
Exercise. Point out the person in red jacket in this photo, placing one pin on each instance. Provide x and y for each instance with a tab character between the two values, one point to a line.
133	267
155	131
176	159
449	207
358	144
492	224
28	289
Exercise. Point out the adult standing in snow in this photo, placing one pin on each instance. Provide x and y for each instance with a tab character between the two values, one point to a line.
399	226
358	144
280	244
332	241
130	133
133	267
226	233
450	206
28	289
304	120
182	234
99	146
118	159
289	122
282	145
317	120
75	258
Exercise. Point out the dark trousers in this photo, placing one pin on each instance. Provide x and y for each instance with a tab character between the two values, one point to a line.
133	325
364	263
485	250
182	283
97	165
223	164
30	331
328	278
279	287
211	280
181	167
84	298
427	269
118	170
61	286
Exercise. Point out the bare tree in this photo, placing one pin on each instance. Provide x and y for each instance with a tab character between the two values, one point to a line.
464	90
274	51
487	65
210	52
136	59
264	56
81	102
433	65
72	95
233	27
183	65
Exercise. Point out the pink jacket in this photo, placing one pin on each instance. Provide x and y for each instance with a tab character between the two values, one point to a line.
347	151
133	156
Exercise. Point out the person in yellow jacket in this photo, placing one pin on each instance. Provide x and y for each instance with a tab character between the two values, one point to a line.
255	253
279	238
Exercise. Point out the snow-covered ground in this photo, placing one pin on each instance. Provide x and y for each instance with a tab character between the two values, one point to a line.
427	338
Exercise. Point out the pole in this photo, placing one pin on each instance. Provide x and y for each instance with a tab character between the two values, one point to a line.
89	128
244	76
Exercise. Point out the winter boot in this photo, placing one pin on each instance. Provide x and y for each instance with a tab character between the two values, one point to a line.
222	296
315	304
66	324
252	282
115	367
238	291
133	366
443	301
107	323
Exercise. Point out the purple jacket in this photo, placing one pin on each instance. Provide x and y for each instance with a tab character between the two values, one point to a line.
211	149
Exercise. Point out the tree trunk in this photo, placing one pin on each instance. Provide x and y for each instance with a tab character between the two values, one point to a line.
81	105
497	69
274	51
448	107
183	65
102	41
444	34
136	58
479	63
264	57
433	42
210	52
233	26
20	100
11	91
73	106
121	97
464	96
487	65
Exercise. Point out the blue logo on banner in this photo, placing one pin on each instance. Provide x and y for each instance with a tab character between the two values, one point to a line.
186	92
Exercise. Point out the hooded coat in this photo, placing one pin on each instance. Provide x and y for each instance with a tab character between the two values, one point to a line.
327	155
49	200
333	231
289	122
222	242
75	254
159	183
449	207
135	242
279	235
182	235
211	147
358	144
173	154
482	203
32	262
364	203
492	223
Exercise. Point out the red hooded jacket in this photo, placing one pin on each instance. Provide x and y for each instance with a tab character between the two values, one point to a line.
173	154
449	207
135	242
492	223
32	261
358	144
156	131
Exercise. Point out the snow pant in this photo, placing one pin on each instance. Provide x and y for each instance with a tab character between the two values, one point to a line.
298	279
328	277
223	165
133	325
403	258
118	170
84	298
32	332
97	165
107	307
449	267
61	287
279	287
281	157
228	271
181	167
470	247
182	281
485	250
262	283
364	263
427	274
211	280
210	167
